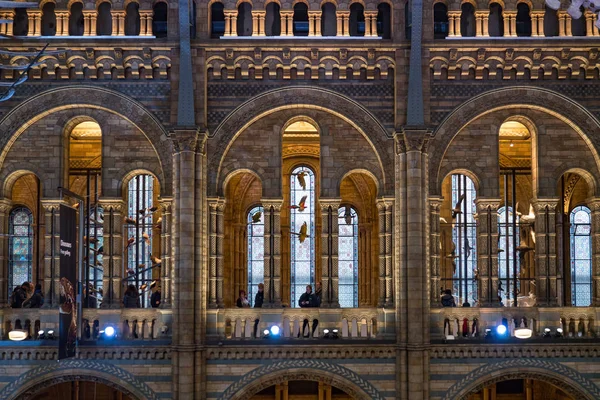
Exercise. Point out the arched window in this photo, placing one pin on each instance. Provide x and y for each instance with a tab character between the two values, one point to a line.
217	20
193	18
357	20
302	224
348	256
464	238
273	20
467	20
132	19
48	19
328	20
159	20
578	27
21	23
508	257
256	251
550	22
496	21
440	21
407	21
384	21
139	234
76	20
104	21
20	245
300	20
95	233
244	19
523	20
581	256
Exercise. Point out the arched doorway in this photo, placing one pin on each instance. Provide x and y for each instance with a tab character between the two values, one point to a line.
78	389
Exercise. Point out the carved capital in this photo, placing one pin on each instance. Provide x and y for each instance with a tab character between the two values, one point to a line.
276	204
383	202
51	204
540	205
166	204
216	204
326	203
188	140
415	139
115	204
434	204
484	204
5	205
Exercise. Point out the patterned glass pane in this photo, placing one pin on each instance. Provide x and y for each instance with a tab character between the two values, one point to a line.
139	234
348	256
95	267
581	256
256	251
302	221
464	237
508	257
20	244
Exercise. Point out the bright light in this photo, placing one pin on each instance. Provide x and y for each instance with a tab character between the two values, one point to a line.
326	331
335	331
546	330
275	330
266	332
40	332
523	333
501	330
559	330
17	335
449	337
50	332
109	331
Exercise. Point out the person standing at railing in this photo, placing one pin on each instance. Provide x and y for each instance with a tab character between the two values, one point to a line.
36	300
317	295
448	299
242	301
19	295
131	298
260	296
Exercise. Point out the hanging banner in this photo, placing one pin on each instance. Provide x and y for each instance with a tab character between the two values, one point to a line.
67	338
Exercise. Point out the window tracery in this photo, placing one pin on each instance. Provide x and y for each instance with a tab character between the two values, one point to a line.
581	256
20	243
256	250
348	257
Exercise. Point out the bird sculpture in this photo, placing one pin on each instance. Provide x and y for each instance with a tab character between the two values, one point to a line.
456	210
301	206
130	221
301	179
146	238
158	224
256	217
155	260
348	215
130	242
303	234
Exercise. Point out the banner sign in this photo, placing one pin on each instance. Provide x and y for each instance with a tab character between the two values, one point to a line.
67	338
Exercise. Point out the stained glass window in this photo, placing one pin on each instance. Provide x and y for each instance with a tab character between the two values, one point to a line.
348	256
302	223
464	239
139	234
508	257
581	256
256	251
96	251
20	243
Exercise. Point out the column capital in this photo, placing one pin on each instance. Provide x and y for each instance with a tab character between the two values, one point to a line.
435	202
325	203
52	204
34	13
485	203
538	13
259	13
412	139
113	203
343	13
5	205
382	202
314	13
166	204
188	139
540	204
216	203
275	203
509	14
454	13
117	13
481	14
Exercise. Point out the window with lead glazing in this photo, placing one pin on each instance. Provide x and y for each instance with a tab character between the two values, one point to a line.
348	256
256	251
139	232
508	258
96	247
581	256
302	223
20	244
464	237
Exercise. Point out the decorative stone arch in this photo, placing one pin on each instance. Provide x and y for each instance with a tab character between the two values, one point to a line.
579	119
312	370
81	97
302	97
548	371
8	177
29	383
582	173
473	174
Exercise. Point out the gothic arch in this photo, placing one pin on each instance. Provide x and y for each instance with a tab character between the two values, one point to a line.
81	97
552	372
303	97
36	379
311	370
579	119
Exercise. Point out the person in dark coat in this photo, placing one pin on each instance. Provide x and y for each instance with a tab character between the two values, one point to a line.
155	298
260	296
37	299
19	295
308	298
131	298
242	301
317	295
448	299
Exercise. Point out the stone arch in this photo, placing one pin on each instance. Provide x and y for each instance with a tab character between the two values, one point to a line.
473	174
302	97
9	177
548	371
30	382
81	97
125	176
233	173
579	119
361	171
582	173
312	370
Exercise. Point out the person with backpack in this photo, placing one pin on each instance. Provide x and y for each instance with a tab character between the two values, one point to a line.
19	295
448	299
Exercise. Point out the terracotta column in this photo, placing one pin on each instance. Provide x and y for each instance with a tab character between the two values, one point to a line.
546	273
537	21
562	17
340	23
5	207
145	16
51	213
312	18
487	251
384	208
506	21
454	20
216	232
434	250
285	15
34	26
371	23
480	23
318	25
261	22
347	23
329	252
166	256
594	205
113	260
255	23
272	253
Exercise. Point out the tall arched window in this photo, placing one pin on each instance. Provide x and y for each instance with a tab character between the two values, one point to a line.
300	20
508	257
348	256
467	20
578	27
440	21
244	19
273	19
48	19
384	21
20	245
550	22
302	224
76	20
523	20
20	22
357	20
256	251
217	20
159	20
328	19
581	256
104	21
464	237
139	234
132	19
496	21
95	233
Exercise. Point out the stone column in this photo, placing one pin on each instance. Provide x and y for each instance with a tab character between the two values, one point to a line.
318	25
487	251
93	20
34	26
568	27
145	28
371	23
121	31
329	252
537	23
506	21
480	26
512	17
272	253
546	273
312	18
5	207
346	23
8	28
260	15
384	208
51	212
594	205
290	24
434	250
255	23
285	15
340	23
216	232
166	207
486	24
562	16
62	23
591	29
454	21
113	260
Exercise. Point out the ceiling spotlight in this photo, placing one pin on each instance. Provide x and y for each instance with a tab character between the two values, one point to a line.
523	333
17	335
50	334
266	332
41	334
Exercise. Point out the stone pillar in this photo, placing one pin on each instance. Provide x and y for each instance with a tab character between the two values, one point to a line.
255	23
537	23
506	21
217	233
113	260
562	17
340	23
62	23
272	253
511	17
51	213
120	22
486	24
346	23
8	28
546	273
329	252
260	21
285	15
487	251
371	23
568	27
434	251
35	21
312	18
93	20
591	29
290	24
454	24
231	23
318	25
594	205
166	207
480	25
384	208
5	207
145	27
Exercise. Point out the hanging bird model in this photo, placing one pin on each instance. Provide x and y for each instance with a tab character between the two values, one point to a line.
130	242
300	176
130	221
256	217
146	238
348	215
457	209
155	260
301	206
303	234
158	224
